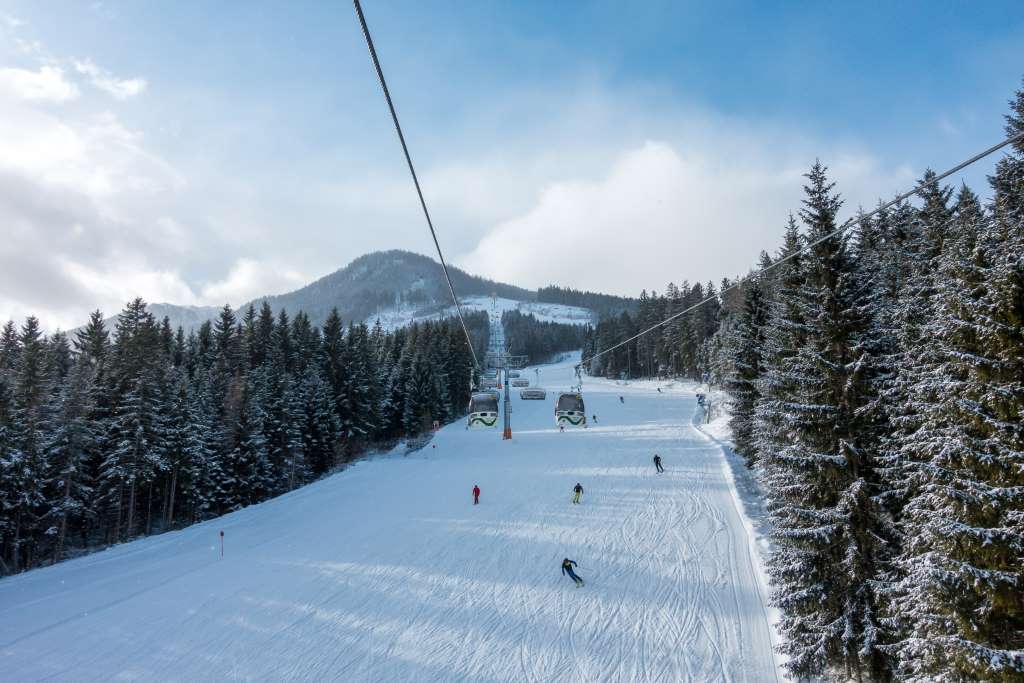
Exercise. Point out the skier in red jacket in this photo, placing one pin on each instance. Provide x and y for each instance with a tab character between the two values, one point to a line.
476	494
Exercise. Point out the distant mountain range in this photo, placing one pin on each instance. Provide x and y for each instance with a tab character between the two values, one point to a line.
386	284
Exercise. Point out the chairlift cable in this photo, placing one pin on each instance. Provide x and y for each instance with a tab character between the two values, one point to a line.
415	179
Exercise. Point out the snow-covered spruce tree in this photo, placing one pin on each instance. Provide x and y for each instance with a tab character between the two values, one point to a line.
334	369
1008	180
92	344
822	514
24	466
915	384
709	316
718	353
70	437
360	386
747	342
177	439
59	359
669	337
420	388
262	340
906	380
783	334
7	479
402	348
9	347
962	580
882	247
135	432
440	405
247	461
320	428
226	342
206	466
460	372
306	342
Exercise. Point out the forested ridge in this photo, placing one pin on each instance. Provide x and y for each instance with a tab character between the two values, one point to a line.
539	341
603	305
120	433
876	383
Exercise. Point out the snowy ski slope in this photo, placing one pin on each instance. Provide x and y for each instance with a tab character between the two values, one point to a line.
387	572
394	318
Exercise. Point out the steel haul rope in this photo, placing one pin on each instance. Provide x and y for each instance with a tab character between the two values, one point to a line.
415	179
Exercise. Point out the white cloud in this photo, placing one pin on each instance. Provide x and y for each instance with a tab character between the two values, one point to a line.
83	207
249	279
118	88
115	283
667	211
95	155
10	22
45	85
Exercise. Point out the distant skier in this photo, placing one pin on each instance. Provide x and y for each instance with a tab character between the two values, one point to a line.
595	419
476	494
659	390
567	566
657	463
621	399
577	491
561	428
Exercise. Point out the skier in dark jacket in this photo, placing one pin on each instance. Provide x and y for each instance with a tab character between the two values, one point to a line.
567	566
577	492
657	463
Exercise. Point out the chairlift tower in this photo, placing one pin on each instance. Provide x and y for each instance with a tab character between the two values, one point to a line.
504	362
499	359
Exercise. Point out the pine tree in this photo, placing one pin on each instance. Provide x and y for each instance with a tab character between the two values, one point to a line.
784	334
416	415
360	385
71	437
25	462
205	466
178	429
747	341
282	427
58	357
1008	181
247	464
959	607
135	431
9	347
321	429
92	345
260	348
291	449
822	512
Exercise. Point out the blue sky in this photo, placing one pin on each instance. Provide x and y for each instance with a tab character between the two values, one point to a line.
225	150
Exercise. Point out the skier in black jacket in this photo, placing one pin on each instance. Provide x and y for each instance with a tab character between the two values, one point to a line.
567	566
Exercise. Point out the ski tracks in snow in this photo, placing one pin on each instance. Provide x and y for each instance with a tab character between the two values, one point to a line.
387	572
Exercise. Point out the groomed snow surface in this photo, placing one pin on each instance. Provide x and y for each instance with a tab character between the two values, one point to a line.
387	572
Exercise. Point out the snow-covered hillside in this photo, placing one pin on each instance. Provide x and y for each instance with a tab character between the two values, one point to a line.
394	318
387	572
